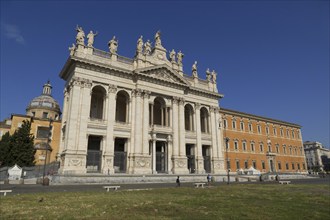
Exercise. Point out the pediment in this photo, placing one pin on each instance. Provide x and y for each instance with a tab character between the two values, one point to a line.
163	73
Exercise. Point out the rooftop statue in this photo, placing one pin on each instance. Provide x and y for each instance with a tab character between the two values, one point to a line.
72	49
80	38
158	41
179	57
147	48
113	45
208	75
172	56
214	77
90	38
194	70
139	46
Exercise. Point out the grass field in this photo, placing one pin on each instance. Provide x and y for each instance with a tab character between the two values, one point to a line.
253	201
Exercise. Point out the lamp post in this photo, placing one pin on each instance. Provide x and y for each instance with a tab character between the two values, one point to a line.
48	141
227	140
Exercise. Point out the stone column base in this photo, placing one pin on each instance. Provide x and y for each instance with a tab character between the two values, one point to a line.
180	165
140	164
218	166
73	163
200	165
107	165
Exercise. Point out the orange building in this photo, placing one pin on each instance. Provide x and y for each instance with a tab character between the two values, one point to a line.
44	114
266	144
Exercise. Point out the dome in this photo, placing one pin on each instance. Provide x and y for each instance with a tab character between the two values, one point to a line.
44	102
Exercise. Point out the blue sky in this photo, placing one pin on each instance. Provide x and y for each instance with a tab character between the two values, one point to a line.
272	57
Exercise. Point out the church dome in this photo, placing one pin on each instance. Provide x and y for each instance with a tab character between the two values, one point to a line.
44	106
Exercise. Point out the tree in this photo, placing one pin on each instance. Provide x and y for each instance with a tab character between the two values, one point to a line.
20	148
4	149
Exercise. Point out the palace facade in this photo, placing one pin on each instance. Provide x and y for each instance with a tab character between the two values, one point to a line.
266	144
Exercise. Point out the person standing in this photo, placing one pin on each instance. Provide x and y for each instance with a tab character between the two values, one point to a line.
178	181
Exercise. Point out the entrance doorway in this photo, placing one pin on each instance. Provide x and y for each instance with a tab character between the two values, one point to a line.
271	165
161	152
93	163
207	158
190	158
120	155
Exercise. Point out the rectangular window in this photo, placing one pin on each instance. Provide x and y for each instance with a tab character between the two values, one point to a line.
250	128
279	165
252	147
287	133
281	131
234	124
45	115
244	146
246	164
290	149
259	129
263	165
298	165
292	133
269	148
236	145
298	133
267	130
228	164
225	123
277	149
274	131
254	164
242	126
304	166
286	166
42	132
284	149
237	164
293	166
261	148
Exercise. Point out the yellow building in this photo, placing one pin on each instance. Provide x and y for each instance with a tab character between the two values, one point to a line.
268	145
44	114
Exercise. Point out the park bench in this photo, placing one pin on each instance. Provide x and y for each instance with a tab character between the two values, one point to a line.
5	192
197	185
111	187
284	182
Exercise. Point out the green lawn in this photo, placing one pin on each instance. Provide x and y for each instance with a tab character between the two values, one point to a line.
253	201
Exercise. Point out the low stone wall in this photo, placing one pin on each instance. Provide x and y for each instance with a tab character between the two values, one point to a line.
121	179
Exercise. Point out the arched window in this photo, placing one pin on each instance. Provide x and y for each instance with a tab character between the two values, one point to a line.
204	120
97	102
122	101
189	117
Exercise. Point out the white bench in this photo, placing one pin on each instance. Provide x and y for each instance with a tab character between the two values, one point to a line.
284	182
5	192
111	187
197	185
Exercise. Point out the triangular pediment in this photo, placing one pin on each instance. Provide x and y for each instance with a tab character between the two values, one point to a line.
164	73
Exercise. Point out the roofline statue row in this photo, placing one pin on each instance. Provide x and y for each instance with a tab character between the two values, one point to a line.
145	55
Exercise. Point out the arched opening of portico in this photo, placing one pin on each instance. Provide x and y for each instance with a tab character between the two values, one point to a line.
159	113
97	102
189	117
122	102
204	120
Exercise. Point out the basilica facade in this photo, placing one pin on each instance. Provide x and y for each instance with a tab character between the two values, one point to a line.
138	116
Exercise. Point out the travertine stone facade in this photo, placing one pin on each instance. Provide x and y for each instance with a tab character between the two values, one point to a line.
139	116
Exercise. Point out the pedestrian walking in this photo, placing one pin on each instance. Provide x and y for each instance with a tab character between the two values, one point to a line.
178	181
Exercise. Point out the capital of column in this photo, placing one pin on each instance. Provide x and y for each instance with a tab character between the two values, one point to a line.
198	105
181	101
175	100
154	137
146	94
112	88
137	92
169	138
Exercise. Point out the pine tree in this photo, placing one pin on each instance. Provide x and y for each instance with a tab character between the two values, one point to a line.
22	147
4	149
